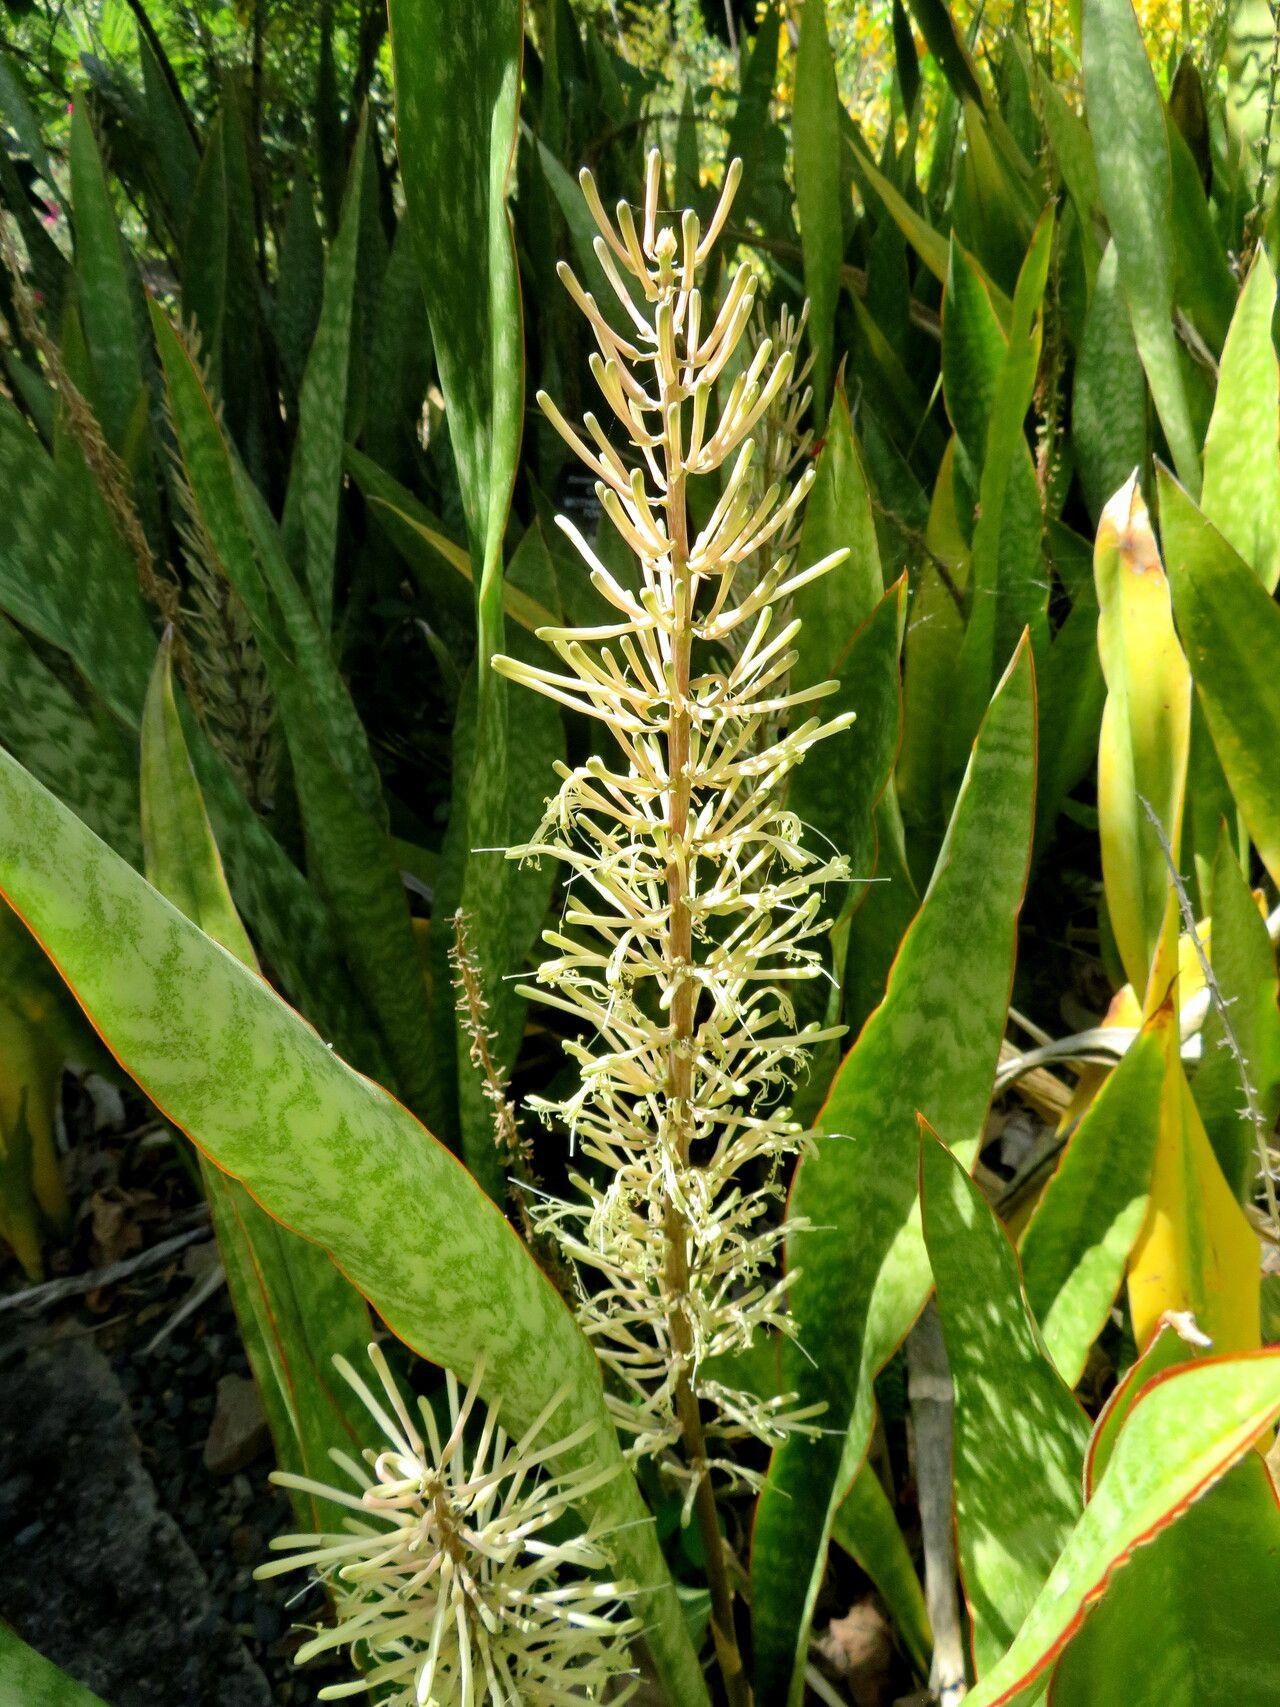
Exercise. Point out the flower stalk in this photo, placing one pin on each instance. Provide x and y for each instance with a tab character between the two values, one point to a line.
692	905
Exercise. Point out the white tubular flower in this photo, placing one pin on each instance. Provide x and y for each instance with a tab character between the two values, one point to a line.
448	1584
693	906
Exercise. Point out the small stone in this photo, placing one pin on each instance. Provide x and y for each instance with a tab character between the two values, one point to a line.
859	1649
238	1432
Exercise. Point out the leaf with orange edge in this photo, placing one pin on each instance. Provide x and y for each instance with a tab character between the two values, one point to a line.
296	1312
1186	1430
1190	1622
332	1156
860	1274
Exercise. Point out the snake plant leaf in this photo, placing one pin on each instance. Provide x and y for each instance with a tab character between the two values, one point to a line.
1244	970
296	1312
205	253
1109	426
170	138
815	126
340	794
973	352
457	89
865	1526
310	525
1188	1621
1241	494
1230	627
837	516
64	573
1019	1438
1203	1593
1078	1241
1197	1251
750	122
326	1152
542	745
299	294
1131	149
28	1677
1204	287
929	245
1072	691
1187	1429
1146	728
835	797
944	42
431	554
76	750
863	1275
105	291
1008	586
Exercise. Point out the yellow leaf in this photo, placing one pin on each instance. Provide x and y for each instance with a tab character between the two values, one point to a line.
1146	731
1197	1251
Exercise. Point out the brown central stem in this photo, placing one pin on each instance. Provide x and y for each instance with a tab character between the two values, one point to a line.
679	1090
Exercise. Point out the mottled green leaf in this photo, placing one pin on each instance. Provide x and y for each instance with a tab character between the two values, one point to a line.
1008	587
973	353
1126	120
1109	431
27	1679
1244	970
1019	1437
1230	627
296	1312
105	290
80	753
344	815
1078	1241
1186	1430
457	86
837	517
815	127
327	1152
1242	450
931	1046
310	525
64	573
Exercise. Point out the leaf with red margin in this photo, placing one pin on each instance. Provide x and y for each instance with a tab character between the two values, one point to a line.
331	1155
1203	1599
860	1274
1186	1430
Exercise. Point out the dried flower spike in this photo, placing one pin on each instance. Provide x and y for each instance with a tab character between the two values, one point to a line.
693	906
447	1586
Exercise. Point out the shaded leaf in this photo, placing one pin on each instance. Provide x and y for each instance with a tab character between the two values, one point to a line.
1019	1437
863	1275
327	1152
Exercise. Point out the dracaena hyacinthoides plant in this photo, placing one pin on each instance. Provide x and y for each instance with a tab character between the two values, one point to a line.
692	907
455	1582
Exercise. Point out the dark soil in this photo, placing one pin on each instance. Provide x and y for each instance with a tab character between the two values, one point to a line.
125	1559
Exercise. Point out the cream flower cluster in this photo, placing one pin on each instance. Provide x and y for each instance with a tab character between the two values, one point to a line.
693	907
455	1584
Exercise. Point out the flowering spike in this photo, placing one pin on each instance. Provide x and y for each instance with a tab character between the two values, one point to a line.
696	908
448	1586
